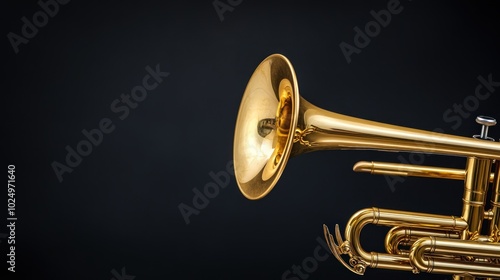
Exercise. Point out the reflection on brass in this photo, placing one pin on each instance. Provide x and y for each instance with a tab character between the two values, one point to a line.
275	123
400	169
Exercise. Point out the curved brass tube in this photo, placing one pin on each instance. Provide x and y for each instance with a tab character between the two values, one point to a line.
422	261
387	217
406	236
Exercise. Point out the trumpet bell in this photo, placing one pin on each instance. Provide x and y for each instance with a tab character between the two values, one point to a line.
274	123
265	126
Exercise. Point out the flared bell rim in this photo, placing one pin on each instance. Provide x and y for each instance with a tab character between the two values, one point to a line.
258	161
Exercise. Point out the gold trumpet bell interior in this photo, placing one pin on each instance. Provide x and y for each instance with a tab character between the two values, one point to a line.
265	126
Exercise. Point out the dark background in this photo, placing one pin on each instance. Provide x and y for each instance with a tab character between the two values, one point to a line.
119	207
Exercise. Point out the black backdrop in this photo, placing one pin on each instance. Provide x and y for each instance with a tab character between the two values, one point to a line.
117	214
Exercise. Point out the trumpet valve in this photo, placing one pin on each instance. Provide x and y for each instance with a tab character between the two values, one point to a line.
485	123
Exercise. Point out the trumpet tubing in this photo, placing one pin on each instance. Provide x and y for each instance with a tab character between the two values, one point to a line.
494	213
275	123
406	236
481	254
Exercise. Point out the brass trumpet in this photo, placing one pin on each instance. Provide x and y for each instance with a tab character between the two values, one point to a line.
274	123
